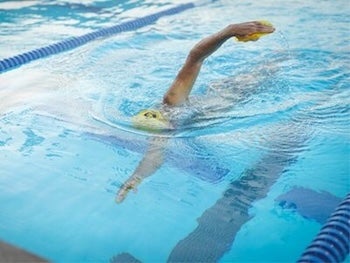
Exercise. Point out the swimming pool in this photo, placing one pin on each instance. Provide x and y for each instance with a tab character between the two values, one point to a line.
67	145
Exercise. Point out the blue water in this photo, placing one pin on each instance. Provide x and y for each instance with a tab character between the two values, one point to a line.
278	106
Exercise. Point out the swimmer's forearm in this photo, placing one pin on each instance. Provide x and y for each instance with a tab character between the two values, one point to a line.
210	44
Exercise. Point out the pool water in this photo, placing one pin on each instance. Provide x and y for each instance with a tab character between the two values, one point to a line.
264	118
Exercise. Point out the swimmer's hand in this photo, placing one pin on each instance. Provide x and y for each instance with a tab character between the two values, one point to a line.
251	31
130	184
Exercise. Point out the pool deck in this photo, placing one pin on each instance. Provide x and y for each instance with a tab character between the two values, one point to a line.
12	254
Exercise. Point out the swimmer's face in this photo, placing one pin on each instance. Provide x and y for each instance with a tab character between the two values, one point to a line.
149	114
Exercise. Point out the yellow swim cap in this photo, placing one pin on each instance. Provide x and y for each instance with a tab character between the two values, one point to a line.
150	120
255	36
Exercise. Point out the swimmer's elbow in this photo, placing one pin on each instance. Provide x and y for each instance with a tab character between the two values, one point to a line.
196	55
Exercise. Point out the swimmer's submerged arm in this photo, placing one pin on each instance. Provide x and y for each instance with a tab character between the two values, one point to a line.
150	163
185	79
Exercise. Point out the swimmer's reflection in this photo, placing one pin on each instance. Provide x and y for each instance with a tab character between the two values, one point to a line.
178	93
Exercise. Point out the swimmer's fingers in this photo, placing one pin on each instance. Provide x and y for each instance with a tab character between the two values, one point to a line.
124	190
249	28
264	27
121	195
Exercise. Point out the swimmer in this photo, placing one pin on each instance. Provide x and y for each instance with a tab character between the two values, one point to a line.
178	93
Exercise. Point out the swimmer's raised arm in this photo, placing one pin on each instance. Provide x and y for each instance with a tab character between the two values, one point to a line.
185	79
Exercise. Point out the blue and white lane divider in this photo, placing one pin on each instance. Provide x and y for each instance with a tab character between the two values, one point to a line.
73	42
332	244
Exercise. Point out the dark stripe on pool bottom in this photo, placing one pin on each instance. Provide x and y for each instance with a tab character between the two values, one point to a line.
124	258
219	224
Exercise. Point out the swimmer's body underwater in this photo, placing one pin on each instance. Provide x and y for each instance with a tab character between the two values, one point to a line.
179	91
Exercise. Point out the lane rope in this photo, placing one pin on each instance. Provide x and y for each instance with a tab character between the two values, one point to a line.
332	243
74	42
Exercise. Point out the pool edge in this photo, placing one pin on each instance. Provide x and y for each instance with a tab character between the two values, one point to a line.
12	254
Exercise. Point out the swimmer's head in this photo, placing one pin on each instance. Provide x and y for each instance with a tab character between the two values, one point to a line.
150	120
